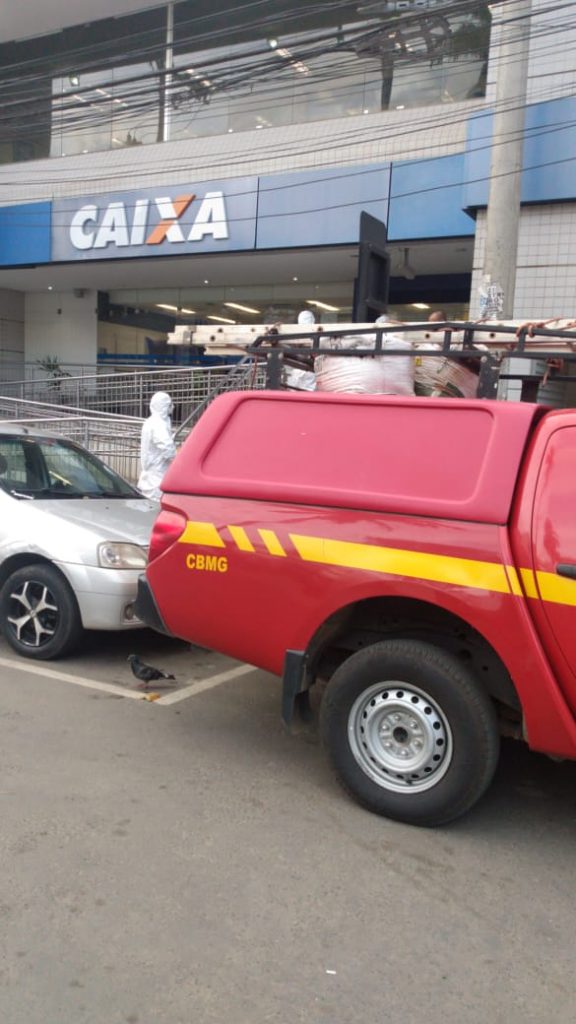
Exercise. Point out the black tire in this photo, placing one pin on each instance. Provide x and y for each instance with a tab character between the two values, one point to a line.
410	732
58	628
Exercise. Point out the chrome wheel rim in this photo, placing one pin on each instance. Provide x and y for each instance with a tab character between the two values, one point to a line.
34	614
399	737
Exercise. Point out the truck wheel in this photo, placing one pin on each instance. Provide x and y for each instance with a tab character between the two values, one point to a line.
410	732
39	615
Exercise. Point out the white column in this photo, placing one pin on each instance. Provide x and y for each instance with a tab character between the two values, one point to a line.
503	213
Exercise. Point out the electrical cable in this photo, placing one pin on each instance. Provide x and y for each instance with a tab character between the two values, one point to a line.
412	128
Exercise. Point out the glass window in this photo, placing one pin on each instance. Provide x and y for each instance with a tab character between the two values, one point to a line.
332	70
105	110
15	468
234	71
55	469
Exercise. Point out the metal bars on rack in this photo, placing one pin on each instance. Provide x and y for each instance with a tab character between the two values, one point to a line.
486	346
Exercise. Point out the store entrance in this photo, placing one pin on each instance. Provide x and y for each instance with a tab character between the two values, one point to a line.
134	323
88	316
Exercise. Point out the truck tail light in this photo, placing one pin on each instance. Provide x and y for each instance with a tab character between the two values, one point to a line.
168	527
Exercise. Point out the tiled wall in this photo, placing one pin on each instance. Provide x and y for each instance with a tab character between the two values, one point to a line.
11	334
551	64
546	263
373	138
545	281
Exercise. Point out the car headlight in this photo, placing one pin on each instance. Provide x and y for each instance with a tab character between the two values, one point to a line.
112	555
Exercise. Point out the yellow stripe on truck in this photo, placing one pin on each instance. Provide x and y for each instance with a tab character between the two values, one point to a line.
205	534
556	589
515	585
272	543
529	582
241	538
461	572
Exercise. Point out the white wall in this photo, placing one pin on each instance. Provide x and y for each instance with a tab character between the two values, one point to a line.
552	67
11	334
63	325
546	259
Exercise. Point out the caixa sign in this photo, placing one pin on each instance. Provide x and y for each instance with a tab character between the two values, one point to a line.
216	216
124	226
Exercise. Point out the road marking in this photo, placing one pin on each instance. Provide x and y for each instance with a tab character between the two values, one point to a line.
64	677
206	684
120	691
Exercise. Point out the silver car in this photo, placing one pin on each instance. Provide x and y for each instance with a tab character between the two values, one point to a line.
73	541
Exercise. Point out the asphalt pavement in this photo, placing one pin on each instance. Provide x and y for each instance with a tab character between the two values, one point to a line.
194	863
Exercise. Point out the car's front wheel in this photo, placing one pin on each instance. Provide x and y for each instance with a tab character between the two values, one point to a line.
39	615
411	734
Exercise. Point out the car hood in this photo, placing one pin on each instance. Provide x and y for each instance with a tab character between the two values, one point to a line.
123	519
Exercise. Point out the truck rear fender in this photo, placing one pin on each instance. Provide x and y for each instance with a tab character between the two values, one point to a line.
368	621
526	690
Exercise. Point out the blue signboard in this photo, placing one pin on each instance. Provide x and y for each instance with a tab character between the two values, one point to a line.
426	199
216	216
25	234
320	207
549	155
416	199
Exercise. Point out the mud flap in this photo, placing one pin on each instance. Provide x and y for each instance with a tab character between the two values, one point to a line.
295	687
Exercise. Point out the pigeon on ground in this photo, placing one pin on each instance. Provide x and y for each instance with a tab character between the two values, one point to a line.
146	673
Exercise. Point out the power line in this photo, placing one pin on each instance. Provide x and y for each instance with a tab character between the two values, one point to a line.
465	7
141	95
358	135
342	205
348	136
95	123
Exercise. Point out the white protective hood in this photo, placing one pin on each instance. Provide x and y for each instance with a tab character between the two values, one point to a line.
157	448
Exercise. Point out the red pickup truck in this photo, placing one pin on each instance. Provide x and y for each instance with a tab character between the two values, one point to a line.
419	555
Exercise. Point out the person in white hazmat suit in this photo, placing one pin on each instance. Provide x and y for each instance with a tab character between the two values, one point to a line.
306	317
157	448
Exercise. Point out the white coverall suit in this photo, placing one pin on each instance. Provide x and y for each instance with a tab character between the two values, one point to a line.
157	448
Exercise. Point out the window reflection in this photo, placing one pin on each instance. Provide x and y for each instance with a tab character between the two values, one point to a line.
232	73
354	69
104	110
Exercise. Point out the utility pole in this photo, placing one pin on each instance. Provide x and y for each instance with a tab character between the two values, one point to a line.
503	215
166	80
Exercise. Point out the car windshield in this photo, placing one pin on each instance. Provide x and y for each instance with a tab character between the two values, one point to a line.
49	468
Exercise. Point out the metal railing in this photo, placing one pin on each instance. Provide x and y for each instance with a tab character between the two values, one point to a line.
12	408
108	410
129	394
115	440
246	375
17	370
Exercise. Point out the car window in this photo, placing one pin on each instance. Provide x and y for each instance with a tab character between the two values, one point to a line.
21	466
50	468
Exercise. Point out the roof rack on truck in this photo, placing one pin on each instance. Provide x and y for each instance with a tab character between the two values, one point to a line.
486	346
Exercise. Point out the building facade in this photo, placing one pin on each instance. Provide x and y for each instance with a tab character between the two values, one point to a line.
173	163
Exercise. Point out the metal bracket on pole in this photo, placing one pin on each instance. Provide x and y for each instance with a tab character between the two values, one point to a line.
488	377
274	366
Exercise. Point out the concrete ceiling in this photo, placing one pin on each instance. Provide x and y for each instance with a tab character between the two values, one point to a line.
22	19
313	265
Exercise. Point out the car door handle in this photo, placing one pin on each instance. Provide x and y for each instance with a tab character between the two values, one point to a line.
567	569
